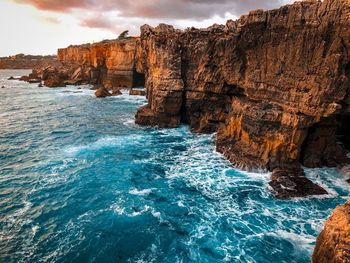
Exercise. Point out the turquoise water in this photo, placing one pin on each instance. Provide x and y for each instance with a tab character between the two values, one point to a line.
80	182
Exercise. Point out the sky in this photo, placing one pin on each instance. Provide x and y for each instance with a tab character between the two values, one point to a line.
39	27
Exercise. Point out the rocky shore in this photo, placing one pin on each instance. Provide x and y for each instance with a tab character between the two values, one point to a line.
274	85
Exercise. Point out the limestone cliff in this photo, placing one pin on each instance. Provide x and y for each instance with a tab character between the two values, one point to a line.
333	244
113	62
273	84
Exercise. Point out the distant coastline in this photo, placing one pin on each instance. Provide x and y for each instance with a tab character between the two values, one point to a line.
22	61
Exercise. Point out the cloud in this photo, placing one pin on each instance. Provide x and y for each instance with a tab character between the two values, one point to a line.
168	11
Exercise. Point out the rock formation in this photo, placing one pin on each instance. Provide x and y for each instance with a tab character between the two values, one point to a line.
333	244
112	63
273	84
102	92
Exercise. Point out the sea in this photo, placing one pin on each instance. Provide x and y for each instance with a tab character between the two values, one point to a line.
81	182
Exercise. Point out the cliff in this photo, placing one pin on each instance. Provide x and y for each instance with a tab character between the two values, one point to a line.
333	244
111	63
114	62
22	61
274	85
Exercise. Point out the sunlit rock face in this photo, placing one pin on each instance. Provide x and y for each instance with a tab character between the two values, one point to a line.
112	63
273	84
333	244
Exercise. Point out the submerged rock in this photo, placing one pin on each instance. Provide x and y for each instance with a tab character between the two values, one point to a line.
333	243
291	182
102	92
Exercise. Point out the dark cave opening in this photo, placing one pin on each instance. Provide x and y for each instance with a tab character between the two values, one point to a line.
343	133
327	143
138	80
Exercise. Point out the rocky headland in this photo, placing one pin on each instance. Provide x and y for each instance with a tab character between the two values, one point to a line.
111	63
274	85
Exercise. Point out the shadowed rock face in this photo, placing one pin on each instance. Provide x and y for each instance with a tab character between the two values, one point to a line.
333	244
272	84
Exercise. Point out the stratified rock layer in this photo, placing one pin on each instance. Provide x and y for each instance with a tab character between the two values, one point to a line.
113	63
333	244
273	84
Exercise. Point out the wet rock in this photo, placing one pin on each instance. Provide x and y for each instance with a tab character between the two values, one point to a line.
116	92
24	78
3	87
290	182
145	116
40	85
34	80
333	243
137	92
53	77
102	92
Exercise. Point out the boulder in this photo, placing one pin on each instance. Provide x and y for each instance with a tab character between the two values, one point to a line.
102	92
333	243
116	92
53	77
290	182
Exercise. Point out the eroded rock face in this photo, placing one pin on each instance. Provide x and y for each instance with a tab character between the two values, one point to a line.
111	63
333	244
272	84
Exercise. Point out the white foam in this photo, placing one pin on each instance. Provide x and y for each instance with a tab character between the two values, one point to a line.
105	142
142	192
